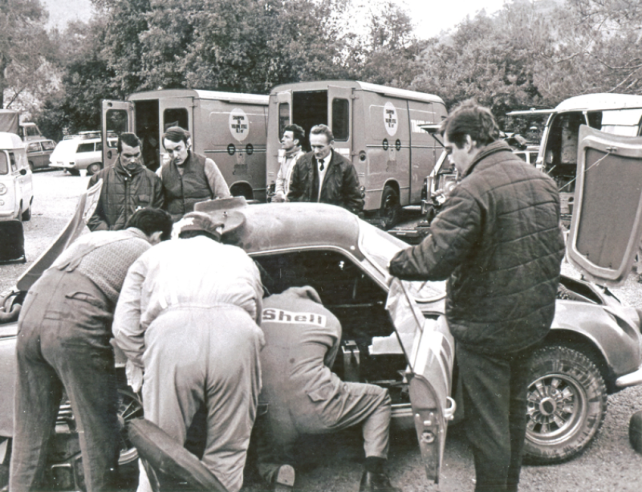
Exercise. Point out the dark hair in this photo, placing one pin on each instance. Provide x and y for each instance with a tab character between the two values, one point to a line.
176	134
130	139
470	119
193	233
151	220
297	132
322	130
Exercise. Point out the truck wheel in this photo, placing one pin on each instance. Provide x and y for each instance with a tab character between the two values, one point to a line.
390	207
567	403
94	168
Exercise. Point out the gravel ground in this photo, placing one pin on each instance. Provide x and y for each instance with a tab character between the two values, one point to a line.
334	462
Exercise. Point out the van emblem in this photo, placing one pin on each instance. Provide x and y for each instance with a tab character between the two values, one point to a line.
239	124
390	120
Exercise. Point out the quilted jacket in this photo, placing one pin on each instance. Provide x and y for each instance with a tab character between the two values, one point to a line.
498	242
340	184
122	193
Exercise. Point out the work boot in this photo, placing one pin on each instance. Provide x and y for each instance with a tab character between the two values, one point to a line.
376	482
283	479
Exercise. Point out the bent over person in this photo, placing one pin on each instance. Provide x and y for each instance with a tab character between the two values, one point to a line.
188	315
127	186
304	396
498	242
189	177
64	343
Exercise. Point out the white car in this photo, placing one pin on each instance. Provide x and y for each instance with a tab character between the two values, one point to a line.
79	153
16	187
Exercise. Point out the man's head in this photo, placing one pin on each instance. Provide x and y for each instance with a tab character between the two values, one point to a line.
199	224
293	136
129	149
466	131
177	143
321	140
155	223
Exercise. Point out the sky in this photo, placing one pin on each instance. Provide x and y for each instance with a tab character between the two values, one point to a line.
430	16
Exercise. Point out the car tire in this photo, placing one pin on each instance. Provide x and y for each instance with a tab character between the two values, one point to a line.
130	407
94	168
390	207
567	403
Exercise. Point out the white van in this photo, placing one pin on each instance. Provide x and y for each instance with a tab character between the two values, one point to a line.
618	114
16	186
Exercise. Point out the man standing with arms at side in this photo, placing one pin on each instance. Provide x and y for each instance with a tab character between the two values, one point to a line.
189	177
291	142
127	186
188	314
324	176
498	241
64	337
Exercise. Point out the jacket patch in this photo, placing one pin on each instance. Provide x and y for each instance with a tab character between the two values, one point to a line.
281	316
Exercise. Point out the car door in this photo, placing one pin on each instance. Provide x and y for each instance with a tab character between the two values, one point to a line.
606	226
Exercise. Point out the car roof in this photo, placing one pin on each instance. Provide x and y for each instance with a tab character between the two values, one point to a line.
283	226
10	141
602	101
230	97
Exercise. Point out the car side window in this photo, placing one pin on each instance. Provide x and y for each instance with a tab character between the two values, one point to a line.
33	147
99	146
85	147
48	145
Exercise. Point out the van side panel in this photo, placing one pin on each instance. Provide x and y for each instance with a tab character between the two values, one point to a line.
387	148
233	136
273	138
425	150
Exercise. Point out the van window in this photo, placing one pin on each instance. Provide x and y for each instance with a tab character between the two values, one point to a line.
85	147
14	165
284	117
341	119
33	147
48	145
116	120
624	122
175	117
31	131
4	167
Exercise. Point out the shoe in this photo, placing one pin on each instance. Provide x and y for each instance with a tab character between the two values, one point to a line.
283	479
376	482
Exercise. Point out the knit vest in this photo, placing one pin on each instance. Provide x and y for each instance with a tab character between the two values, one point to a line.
183	191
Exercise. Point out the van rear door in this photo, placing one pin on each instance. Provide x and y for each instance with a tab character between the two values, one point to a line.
117	117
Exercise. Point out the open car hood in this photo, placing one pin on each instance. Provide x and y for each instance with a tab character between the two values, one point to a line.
429	350
87	202
607	218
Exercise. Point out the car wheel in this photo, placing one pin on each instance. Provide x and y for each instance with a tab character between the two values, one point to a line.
390	207
129	407
567	403
94	168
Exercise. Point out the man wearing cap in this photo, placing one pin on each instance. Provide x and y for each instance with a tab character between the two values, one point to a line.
127	186
188	314
189	177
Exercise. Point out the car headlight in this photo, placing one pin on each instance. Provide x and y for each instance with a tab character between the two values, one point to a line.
3	189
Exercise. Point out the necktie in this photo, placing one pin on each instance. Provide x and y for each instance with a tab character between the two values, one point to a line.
321	164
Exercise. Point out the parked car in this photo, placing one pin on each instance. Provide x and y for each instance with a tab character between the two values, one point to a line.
38	153
16	187
80	153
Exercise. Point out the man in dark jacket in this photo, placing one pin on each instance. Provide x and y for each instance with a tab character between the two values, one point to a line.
324	176
127	186
498	241
189	177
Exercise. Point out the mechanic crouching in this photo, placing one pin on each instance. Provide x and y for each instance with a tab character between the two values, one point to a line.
304	397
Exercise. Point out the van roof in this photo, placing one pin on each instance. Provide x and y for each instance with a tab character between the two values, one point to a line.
10	141
364	86
594	102
231	97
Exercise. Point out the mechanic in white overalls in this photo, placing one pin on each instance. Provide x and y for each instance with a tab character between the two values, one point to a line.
304	396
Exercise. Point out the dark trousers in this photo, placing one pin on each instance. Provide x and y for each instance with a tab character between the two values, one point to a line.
63	341
494	390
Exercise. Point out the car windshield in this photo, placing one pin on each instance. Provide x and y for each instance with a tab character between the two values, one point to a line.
379	247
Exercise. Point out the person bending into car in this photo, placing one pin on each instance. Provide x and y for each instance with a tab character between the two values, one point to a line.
291	142
498	241
188	315
325	176
64	333
189	177
127	186
304	396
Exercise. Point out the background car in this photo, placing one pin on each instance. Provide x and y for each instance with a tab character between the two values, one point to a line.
79	153
16	183
38	153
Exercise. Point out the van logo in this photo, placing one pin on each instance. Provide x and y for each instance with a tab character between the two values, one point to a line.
239	124
390	119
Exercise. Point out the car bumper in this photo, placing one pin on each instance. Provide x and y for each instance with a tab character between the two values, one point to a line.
632	379
62	165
